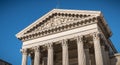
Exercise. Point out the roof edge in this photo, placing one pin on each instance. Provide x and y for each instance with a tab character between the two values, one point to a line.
56	11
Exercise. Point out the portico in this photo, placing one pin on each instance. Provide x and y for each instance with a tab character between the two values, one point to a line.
67	37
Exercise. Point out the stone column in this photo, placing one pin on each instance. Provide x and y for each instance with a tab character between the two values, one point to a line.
81	52
92	59
87	56
65	57
37	55
24	56
32	58
50	54
97	48
43	63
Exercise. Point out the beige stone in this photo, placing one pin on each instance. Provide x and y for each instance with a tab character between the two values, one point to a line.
69	37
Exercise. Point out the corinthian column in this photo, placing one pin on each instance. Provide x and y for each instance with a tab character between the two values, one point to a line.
87	56
97	48
81	52
65	60
50	54
24	56
37	55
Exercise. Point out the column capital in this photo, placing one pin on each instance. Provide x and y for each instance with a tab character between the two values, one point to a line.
79	39
65	58
36	48
97	48
64	42
50	54
24	51
24	56
96	35
49	45
80	49
37	55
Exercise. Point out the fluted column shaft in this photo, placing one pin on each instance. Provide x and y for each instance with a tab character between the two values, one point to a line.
37	55
81	52
87	56
97	48
65	59
92	59
50	54
24	56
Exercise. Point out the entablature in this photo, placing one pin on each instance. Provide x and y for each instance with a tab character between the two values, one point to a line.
58	20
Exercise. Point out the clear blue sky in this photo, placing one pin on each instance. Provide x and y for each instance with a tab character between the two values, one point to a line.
15	15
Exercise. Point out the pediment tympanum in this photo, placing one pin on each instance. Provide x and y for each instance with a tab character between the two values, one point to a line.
58	20
55	21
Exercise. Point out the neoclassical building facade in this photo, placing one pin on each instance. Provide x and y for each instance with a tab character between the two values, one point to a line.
68	37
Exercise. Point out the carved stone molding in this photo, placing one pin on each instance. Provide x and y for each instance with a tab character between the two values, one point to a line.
79	39
57	19
64	42
24	51
36	48
49	45
55	25
96	35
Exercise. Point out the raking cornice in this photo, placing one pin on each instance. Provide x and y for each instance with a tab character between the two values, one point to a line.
58	20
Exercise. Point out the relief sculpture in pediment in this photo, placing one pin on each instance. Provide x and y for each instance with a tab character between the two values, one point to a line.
56	21
53	22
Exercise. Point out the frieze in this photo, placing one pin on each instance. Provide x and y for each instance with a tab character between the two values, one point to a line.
58	23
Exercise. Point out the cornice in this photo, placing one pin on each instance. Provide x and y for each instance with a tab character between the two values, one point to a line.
59	28
66	12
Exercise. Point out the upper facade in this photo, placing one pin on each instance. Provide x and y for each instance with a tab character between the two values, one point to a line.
77	29
59	20
56	22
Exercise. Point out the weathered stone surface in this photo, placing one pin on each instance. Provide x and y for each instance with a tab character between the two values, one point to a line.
69	37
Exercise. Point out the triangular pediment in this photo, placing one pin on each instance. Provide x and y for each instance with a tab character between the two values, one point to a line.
56	18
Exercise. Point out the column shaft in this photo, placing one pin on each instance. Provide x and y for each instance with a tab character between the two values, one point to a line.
65	60
81	52
37	56
97	48
87	56
24	56
50	55
92	59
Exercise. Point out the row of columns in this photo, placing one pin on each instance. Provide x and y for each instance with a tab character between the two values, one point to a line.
65	60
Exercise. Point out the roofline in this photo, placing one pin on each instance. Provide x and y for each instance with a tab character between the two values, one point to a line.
57	11
17	35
